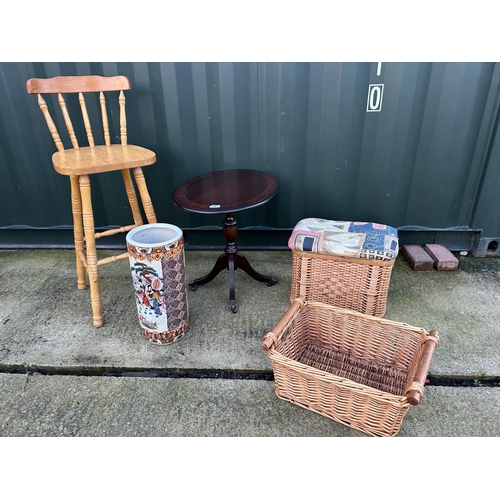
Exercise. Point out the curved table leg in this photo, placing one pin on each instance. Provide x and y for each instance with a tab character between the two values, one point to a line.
232	286
220	264
242	263
232	260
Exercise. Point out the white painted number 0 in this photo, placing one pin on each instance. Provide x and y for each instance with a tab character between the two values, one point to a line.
375	94
375	98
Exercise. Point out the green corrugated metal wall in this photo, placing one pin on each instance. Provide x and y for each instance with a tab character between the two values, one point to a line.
426	162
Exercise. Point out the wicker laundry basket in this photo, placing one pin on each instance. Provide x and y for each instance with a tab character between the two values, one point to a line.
344	264
362	371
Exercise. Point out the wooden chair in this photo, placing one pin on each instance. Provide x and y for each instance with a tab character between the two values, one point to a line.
79	162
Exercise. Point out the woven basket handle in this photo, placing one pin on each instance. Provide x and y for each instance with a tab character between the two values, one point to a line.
416	389
271	340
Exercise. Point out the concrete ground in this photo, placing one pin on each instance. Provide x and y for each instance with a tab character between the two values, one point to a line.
60	376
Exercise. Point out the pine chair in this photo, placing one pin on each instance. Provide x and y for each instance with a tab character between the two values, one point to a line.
79	162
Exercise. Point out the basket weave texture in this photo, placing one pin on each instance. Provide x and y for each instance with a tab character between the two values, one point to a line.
350	283
353	368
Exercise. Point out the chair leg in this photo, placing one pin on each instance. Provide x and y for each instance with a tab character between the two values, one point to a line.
91	252
76	208
132	197
145	198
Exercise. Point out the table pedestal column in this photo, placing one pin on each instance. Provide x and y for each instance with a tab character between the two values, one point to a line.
232	260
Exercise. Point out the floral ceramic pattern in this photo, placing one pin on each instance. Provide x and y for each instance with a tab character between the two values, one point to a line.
159	285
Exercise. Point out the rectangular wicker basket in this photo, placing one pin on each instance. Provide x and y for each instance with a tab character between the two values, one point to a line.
362	371
350	283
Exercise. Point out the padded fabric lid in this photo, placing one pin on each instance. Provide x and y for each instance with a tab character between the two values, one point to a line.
364	240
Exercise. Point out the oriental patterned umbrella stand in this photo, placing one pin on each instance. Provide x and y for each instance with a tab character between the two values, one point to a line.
156	256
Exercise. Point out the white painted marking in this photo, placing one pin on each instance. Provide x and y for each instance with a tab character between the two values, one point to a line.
375	95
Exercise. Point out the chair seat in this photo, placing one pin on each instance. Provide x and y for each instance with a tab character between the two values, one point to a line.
93	160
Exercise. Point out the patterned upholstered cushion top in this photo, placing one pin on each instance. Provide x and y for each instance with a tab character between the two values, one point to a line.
364	240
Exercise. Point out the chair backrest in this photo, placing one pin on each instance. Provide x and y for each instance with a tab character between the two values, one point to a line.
81	84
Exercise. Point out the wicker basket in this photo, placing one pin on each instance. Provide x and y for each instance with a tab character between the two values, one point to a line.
359	370
346	264
349	283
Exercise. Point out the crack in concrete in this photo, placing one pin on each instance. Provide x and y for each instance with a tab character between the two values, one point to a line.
456	381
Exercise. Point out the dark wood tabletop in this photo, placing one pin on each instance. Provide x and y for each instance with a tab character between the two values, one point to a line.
225	191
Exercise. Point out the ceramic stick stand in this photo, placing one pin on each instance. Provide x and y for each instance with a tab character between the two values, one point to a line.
156	256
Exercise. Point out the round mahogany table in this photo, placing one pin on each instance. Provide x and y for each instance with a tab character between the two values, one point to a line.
227	192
